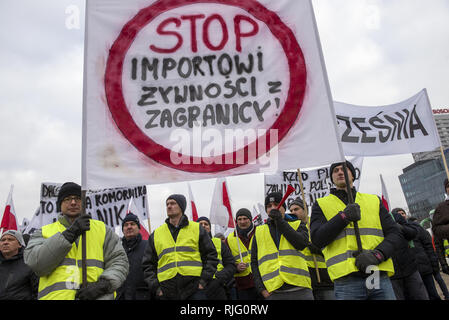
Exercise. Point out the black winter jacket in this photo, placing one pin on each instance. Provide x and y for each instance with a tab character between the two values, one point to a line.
180	287
404	258
17	280
425	256
134	287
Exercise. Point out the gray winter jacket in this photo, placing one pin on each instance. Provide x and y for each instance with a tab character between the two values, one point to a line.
45	255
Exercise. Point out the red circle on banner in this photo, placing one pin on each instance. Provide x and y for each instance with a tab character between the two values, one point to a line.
162	155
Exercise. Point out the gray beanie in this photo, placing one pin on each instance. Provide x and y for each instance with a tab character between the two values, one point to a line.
298	202
16	234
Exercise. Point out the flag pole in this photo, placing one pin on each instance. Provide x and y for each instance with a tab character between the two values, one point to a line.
306	210
83	243
225	186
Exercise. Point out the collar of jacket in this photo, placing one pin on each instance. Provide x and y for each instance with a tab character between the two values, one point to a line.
16	257
342	194
184	221
131	243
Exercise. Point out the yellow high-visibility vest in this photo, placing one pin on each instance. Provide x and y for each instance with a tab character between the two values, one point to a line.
286	265
320	262
64	281
339	253
182	256
446	247
217	244
246	253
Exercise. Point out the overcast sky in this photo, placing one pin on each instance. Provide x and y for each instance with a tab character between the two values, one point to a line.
377	52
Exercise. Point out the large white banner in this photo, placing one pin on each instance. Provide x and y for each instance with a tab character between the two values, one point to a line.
404	127
107	205
178	90
316	182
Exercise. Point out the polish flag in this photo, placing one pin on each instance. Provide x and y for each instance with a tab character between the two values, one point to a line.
132	208
192	203
220	210
9	221
385	200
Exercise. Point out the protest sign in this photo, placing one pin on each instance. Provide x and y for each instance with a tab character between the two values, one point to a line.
179	90
316	182
107	205
404	127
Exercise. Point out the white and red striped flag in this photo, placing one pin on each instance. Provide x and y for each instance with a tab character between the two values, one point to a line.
192	204
385	200
9	221
221	205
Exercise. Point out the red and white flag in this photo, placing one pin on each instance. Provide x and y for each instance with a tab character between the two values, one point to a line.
9	221
192	204
385	200
132	208
220	210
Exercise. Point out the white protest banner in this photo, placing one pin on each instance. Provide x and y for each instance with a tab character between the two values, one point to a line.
178	90
107	205
404	127
316	182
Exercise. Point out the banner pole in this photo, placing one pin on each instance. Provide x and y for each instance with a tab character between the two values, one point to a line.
444	161
83	243
306	210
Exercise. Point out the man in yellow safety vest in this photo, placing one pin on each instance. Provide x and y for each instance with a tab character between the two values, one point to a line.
332	229
180	258
279	267
54	253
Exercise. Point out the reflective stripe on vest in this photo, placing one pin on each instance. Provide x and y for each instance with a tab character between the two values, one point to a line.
246	254
286	265
63	282
182	256
338	254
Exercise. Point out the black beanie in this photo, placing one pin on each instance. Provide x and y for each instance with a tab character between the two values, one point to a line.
348	164
131	217
274	197
243	212
204	219
67	189
180	200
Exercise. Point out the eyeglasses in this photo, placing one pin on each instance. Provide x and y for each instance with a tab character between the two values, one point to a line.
70	199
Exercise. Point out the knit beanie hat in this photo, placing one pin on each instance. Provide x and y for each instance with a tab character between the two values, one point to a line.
67	189
204	219
348	164
298	202
180	200
16	234
131	217
274	197
243	212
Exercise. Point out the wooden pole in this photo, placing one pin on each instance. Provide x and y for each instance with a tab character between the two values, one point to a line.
306	211
83	243
444	161
351	200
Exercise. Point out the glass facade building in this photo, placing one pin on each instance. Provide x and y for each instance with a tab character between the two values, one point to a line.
423	186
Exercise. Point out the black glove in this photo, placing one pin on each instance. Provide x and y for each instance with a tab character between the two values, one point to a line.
399	218
93	290
445	269
351	212
314	249
275	214
78	227
368	258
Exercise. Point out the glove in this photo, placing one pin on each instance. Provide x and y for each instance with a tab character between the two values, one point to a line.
399	218
445	269
368	258
78	227
275	214
93	290
314	249
351	212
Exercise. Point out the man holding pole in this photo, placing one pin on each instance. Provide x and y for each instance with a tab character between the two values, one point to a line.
356	238
322	285
55	254
241	250
279	267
